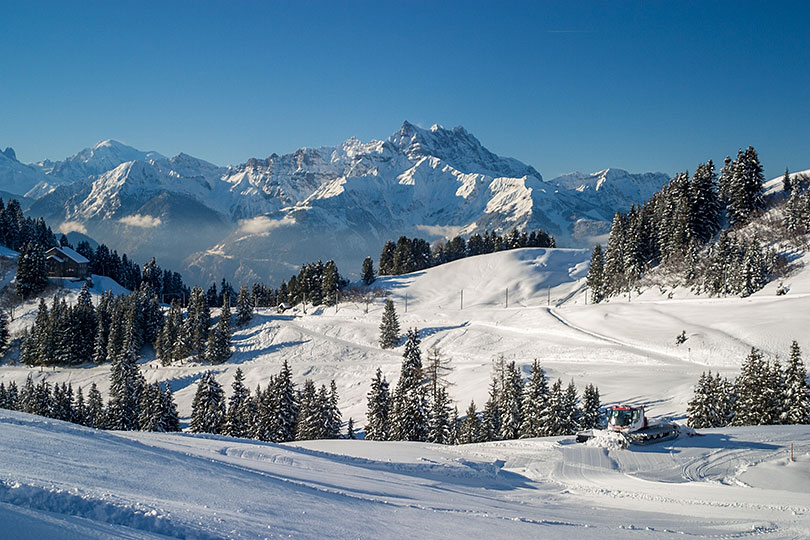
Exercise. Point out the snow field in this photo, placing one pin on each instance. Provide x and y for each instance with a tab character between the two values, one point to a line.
93	484
627	348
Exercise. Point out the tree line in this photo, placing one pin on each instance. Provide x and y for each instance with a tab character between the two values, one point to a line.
678	229
762	394
414	254
156	410
279	413
122	325
418	408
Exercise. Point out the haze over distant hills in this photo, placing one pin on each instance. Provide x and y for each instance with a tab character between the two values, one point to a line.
262	219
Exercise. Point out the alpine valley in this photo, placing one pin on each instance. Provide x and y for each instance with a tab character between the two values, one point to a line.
264	218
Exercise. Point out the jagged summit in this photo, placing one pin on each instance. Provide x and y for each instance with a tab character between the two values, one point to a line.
458	148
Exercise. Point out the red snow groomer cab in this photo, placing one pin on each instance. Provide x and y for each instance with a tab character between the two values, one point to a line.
631	422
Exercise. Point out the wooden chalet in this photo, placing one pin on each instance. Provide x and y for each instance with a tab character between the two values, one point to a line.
64	262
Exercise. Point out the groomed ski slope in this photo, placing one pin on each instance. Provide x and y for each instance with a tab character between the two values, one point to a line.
63	481
625	346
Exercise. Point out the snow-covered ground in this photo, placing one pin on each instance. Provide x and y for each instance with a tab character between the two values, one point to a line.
626	346
63	481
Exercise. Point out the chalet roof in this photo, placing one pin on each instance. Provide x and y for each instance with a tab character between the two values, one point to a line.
78	258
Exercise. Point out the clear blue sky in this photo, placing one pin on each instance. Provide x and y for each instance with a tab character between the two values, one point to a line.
560	85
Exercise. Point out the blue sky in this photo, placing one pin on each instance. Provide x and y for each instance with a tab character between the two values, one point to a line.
560	85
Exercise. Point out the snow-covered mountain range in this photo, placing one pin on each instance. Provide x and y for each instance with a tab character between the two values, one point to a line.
263	218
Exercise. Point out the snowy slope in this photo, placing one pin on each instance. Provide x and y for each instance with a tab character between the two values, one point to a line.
627	348
63	481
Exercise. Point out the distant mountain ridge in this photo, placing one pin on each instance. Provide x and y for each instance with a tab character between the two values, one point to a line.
263	218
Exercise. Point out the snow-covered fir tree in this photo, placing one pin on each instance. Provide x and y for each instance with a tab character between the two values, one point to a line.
151	415
409	414
469	430
591	403
389	327
32	274
330	281
244	307
96	414
287	406
535	399
511	397
310	418
367	272
350	429
596	275
237	418
208	406
572	419
4	333
439	422
379	407
218	346
126	385
752	406
554	415
796	406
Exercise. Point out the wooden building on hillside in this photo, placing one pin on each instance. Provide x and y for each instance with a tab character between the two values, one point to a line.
64	262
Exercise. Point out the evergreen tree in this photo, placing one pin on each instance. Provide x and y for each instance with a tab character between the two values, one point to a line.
218	346
208	407
126	385
745	187
197	323
698	411
332	413
96	417
786	184
237	419
613	274
470	428
571	420
796	406
535	399
329	283
244	307
32	274
555	414
367	272
510	403
309	425
387	259
4	333
596	277
752	406
151	414
409	415
590	407
439	424
287	412
389	327
170	420
350	429
379	406
705	210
